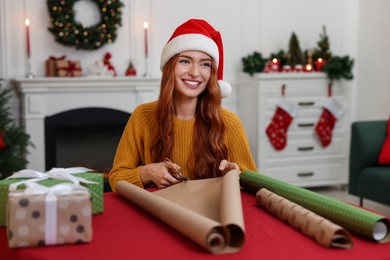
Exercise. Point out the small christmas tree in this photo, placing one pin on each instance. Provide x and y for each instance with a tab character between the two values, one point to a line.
323	47
13	139
294	51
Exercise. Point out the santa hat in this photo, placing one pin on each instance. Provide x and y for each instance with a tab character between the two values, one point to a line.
197	35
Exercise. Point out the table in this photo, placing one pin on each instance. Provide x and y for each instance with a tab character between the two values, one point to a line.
125	231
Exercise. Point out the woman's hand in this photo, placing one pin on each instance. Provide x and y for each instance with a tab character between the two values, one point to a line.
226	166
159	174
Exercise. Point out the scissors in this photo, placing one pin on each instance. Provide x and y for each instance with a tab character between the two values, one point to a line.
177	174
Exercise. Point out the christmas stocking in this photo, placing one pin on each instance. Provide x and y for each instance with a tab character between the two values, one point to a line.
281	120
332	111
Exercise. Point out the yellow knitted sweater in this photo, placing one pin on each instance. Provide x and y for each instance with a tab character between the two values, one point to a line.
135	145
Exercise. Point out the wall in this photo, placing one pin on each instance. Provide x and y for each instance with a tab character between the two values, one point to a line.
373	77
246	26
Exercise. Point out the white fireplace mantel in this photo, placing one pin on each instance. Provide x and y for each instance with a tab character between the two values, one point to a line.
42	97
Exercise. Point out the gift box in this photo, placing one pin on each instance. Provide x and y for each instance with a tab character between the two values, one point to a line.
41	216
93	181
51	65
69	68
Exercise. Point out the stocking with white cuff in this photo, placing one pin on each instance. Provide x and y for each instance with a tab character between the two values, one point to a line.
331	112
280	122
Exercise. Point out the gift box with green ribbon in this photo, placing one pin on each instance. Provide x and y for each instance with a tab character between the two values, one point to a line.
76	175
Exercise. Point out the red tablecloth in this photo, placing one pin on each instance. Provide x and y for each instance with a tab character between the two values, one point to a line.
125	231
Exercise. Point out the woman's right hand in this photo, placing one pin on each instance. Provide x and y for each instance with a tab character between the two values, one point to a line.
159	174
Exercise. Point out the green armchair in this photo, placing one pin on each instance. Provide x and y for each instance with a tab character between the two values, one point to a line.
367	178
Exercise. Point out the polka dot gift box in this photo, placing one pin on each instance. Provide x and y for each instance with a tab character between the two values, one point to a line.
81	175
42	216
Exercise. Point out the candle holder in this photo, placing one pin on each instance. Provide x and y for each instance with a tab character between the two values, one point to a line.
147	73
29	74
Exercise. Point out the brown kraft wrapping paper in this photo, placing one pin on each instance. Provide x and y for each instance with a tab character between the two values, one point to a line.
207	211
323	231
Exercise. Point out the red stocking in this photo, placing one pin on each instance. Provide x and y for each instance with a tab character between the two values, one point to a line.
281	120
277	129
324	128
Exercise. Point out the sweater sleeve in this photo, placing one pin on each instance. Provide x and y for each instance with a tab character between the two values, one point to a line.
237	143
129	156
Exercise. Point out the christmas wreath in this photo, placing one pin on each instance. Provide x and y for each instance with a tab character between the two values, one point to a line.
72	33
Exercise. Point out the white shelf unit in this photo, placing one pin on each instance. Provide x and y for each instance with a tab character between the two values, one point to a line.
303	162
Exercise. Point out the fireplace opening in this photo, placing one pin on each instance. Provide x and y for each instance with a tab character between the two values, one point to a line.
85	137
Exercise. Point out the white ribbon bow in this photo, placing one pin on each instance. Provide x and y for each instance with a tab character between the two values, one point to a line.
51	203
54	173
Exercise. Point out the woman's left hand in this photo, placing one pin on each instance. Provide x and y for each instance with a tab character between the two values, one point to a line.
226	166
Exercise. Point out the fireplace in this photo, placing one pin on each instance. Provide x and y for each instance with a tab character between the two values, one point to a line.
74	121
85	136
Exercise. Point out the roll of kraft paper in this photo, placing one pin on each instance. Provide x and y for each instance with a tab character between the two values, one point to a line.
323	231
357	220
208	211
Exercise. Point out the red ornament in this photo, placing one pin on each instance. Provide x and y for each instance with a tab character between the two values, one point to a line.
131	70
286	68
2	142
298	68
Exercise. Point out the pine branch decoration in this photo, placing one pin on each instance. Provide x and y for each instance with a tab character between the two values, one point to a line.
253	63
13	139
339	68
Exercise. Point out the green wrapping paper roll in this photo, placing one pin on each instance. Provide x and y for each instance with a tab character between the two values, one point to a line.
357	220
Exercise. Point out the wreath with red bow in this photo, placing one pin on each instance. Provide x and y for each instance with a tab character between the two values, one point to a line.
69	32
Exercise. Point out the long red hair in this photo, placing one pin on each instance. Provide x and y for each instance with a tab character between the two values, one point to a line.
209	128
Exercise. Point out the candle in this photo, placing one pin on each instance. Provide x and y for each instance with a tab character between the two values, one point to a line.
319	63
308	68
275	64
275	61
146	38
27	22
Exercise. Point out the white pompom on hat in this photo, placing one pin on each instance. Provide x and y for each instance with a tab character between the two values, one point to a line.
197	35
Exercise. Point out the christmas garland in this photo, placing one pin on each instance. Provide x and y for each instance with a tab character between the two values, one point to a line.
253	63
339	68
71	33
335	67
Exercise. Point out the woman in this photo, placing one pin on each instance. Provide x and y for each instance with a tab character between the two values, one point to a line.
187	129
